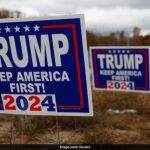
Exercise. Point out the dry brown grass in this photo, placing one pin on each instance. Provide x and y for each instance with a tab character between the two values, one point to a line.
103	128
123	128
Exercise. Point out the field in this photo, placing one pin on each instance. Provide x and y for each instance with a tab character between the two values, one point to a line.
119	117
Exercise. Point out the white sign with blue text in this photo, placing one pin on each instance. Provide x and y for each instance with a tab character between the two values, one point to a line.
120	68
44	67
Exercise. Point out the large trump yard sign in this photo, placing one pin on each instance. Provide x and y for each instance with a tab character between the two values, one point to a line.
44	67
120	68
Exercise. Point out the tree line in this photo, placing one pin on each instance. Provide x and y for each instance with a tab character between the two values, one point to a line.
96	39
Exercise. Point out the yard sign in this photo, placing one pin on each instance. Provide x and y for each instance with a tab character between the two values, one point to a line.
120	68
44	67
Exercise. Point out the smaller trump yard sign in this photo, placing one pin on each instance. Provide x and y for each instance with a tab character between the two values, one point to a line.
120	68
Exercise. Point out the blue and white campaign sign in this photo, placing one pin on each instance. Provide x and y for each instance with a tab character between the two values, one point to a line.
44	67
120	68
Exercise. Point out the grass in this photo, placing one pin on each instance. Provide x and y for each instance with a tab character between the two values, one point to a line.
103	128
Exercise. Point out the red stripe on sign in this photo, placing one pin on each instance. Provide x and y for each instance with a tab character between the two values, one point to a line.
146	69
73	27
96	71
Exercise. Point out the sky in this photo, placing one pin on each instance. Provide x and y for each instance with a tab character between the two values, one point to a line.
103	16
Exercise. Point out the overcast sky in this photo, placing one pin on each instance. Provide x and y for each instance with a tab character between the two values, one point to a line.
101	15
